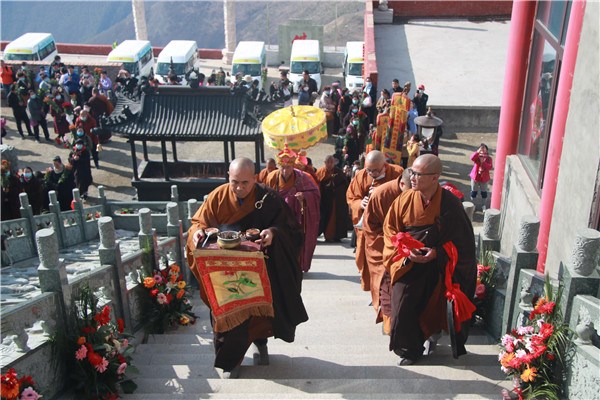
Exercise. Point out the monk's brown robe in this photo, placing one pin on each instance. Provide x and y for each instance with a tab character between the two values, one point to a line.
334	209
418	292
358	189
380	202
262	175
223	210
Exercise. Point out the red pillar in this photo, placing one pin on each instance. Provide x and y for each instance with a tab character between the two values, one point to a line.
557	131
519	40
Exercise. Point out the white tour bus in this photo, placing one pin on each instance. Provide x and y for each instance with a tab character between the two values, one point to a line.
306	55
135	56
249	58
182	53
31	47
353	65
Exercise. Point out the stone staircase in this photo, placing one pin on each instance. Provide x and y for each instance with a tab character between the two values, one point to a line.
338	353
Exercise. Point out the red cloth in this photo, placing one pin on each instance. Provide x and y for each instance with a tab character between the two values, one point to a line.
463	307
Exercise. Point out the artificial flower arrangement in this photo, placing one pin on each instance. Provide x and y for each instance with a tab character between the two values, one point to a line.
98	351
534	354
169	298
404	242
14	388
484	287
93	216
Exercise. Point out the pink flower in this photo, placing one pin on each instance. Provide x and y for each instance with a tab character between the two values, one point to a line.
121	369
480	291
161	298
102	366
124	344
81	353
158	279
30	394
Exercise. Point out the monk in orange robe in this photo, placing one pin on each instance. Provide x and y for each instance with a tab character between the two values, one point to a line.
376	173
375	213
262	175
301	193
435	217
239	205
333	185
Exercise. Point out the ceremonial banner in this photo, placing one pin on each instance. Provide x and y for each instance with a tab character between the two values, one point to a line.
395	137
237	285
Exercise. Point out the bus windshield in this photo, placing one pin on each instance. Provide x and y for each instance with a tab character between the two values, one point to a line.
19	57
131	67
246	69
163	68
355	69
298	67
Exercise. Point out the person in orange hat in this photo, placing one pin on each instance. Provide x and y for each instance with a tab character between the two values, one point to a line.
301	193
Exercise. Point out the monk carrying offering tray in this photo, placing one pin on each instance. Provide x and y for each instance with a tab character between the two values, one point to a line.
236	283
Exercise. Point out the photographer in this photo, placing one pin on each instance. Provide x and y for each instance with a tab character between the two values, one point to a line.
420	100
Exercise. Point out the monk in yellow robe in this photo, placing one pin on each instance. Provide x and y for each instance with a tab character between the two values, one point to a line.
375	213
239	205
376	173
435	217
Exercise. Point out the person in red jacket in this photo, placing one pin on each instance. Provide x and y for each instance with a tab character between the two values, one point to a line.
480	174
87	122
7	77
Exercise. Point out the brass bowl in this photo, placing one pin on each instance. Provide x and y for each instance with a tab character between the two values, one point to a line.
252	234
228	239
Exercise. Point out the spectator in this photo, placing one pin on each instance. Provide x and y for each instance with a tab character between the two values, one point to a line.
383	104
88	123
104	84
60	179
303	95
11	187
37	110
480	174
395	87
34	188
420	100
7	76
79	158
18	102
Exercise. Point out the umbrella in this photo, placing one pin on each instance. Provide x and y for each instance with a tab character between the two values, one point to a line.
299	126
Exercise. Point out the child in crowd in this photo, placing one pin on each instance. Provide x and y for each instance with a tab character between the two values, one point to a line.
480	174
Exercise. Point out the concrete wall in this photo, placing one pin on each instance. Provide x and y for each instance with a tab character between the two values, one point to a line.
469	119
297	28
449	9
519	198
580	159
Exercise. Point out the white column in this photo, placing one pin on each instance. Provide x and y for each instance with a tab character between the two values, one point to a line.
139	19
230	41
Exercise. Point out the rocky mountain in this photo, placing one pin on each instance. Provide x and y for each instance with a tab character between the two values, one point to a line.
95	22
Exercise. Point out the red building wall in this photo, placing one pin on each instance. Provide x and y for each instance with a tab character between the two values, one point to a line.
449	9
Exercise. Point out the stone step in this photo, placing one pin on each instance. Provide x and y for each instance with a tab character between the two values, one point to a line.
413	383
321	396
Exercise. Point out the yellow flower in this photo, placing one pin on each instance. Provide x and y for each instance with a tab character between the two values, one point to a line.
181	284
184	320
529	374
149	282
81	340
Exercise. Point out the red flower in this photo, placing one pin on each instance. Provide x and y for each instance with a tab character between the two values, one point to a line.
26	381
169	298
103	317
480	291
121	359
481	269
94	358
546	330
404	242
120	325
550	356
154	292
88	330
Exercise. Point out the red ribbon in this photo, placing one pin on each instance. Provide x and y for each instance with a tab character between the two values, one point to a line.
463	307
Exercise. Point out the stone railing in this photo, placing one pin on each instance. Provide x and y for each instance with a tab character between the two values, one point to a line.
80	224
27	326
518	284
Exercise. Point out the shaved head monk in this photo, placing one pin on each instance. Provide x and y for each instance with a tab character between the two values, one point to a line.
375	213
239	205
376	172
437	218
271	166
